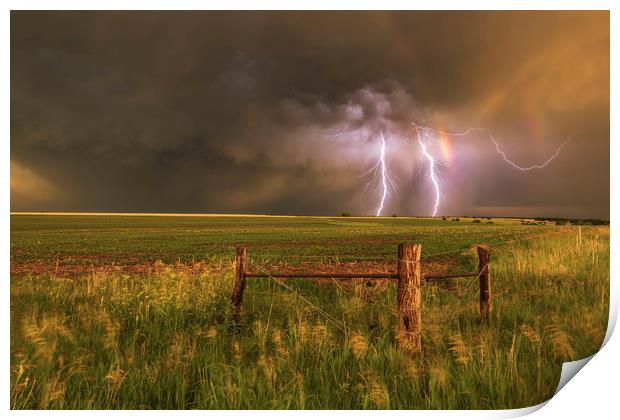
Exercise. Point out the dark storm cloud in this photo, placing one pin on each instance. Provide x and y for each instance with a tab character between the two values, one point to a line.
236	111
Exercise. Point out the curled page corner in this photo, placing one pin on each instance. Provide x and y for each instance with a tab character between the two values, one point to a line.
520	412
613	314
569	370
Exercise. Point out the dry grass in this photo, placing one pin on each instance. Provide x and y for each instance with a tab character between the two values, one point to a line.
165	339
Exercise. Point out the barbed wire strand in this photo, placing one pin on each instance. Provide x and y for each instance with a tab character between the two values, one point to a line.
336	321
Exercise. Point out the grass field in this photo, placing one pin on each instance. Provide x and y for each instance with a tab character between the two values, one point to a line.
133	312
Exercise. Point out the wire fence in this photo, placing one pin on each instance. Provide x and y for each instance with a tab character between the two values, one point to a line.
326	315
381	258
406	284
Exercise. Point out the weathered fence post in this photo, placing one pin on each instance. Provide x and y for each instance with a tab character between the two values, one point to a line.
239	285
409	315
484	267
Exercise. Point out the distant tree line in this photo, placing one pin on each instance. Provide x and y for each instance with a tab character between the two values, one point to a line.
560	221
534	221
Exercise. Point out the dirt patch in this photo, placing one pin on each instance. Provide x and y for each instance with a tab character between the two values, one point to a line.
70	267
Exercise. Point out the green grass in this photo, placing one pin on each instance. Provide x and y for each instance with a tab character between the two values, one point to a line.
165	339
84	240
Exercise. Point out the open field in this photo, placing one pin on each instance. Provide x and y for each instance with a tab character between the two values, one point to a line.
126	241
134	312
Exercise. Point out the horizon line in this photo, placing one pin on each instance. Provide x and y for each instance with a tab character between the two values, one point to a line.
241	215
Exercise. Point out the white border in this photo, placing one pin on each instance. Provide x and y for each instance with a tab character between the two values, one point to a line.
312	5
592	394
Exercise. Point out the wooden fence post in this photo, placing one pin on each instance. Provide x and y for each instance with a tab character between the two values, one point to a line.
484	267
409	315
239	285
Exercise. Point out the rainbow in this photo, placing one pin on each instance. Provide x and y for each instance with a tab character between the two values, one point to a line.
447	149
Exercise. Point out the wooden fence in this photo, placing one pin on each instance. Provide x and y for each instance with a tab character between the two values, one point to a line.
409	281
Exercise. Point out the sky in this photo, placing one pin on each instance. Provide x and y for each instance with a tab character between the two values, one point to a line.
283	112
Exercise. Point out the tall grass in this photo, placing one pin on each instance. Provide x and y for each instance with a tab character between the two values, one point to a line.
167	340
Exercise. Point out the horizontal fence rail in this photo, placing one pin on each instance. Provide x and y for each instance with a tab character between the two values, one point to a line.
323	275
391	276
408	276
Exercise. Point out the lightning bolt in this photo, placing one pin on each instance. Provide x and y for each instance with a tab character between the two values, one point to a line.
497	146
384	175
432	160
433	176
526	168
381	177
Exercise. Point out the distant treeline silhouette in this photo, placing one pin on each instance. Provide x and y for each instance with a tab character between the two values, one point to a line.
561	221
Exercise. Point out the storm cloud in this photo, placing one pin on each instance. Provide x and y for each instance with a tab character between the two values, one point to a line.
278	112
